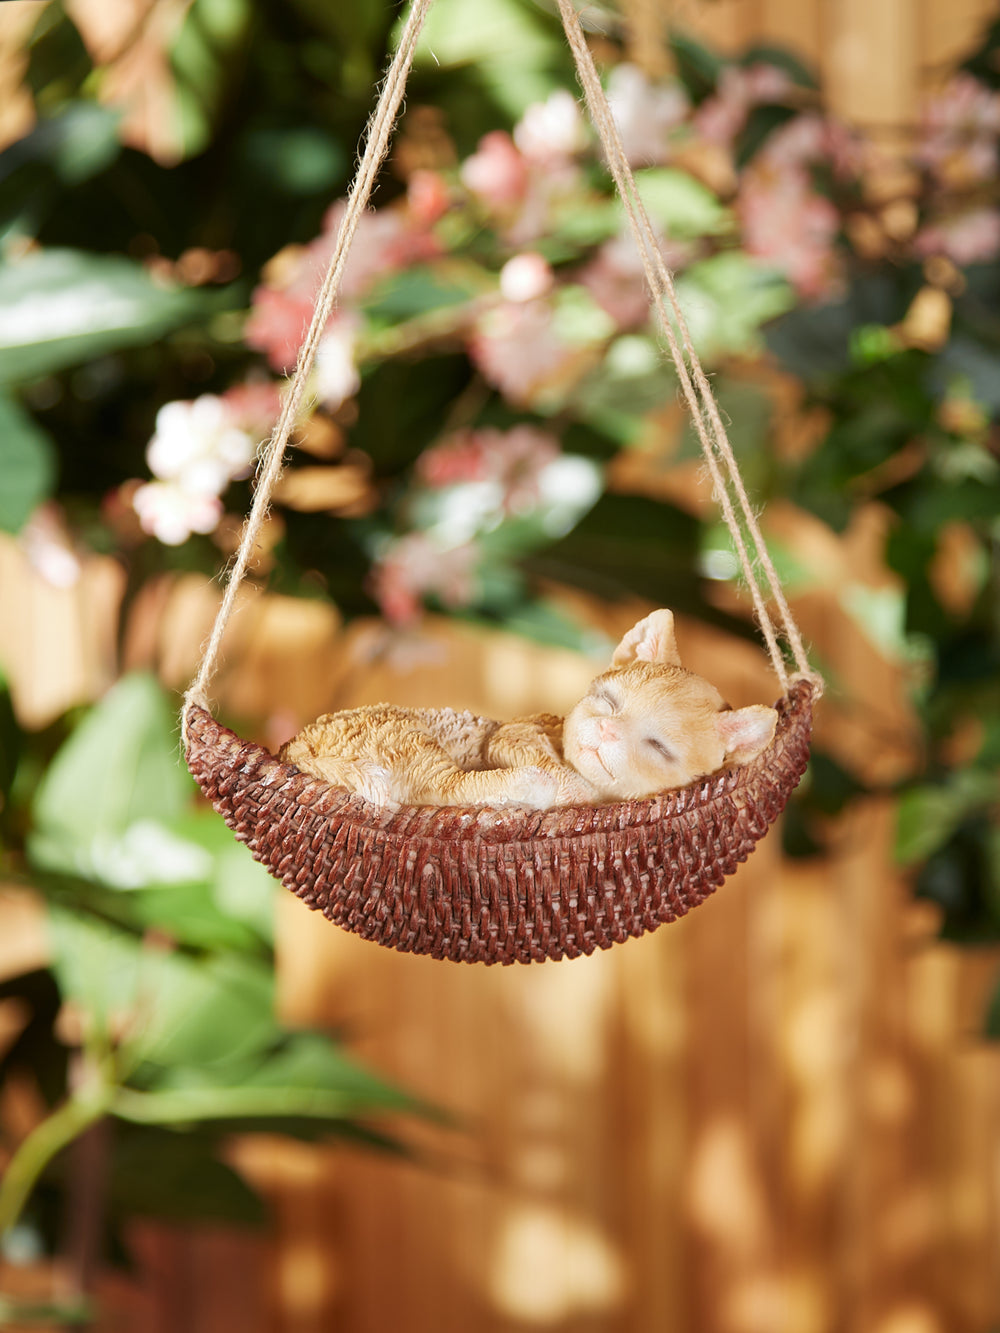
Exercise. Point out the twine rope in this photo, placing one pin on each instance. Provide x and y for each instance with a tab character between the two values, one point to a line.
694	383
695	386
377	136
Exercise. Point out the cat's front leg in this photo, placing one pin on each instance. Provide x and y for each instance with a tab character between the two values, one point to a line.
532	786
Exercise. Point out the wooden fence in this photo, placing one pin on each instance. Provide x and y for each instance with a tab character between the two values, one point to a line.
775	1116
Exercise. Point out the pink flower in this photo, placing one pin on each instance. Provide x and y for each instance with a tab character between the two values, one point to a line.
384	242
811	138
460	458
645	113
518	349
788	224
970	238
766	83
414	567
253	406
616	281
171	513
521	184
721	117
959	132
513	460
496	172
277	324
427	197
525	277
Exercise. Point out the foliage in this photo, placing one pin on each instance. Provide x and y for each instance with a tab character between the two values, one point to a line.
158	1011
489	376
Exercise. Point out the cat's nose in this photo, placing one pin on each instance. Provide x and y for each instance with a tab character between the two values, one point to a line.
609	732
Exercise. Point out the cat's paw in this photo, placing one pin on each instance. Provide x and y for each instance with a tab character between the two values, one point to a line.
574	789
533	786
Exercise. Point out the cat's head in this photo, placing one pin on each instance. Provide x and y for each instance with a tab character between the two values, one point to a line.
647	725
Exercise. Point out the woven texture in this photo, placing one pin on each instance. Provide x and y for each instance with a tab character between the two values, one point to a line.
498	886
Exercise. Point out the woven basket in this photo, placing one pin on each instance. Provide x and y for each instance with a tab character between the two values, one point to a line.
492	886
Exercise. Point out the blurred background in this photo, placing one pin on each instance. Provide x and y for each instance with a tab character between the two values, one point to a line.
219	1112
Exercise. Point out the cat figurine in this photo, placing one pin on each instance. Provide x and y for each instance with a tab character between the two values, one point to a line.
645	725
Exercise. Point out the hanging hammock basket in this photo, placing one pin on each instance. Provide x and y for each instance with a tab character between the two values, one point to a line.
491	886
507	886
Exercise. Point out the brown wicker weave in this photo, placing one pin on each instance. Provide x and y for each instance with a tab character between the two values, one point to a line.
497	886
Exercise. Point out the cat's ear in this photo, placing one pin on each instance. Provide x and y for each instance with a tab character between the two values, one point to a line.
652	640
745	732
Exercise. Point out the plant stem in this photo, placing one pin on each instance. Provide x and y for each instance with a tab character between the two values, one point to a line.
39	1148
193	1104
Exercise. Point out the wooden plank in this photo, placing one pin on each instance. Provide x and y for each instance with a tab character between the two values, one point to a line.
727	25
948	32
862	84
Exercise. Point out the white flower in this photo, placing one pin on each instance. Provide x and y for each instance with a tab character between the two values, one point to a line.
336	375
197	446
46	544
525	277
645	113
170	512
551	129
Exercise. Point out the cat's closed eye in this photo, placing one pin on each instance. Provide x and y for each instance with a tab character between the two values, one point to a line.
663	750
602	695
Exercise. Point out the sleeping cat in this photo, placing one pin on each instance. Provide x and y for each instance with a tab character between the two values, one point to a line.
644	726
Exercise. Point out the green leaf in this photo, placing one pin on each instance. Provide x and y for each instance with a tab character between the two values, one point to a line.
120	767
929	815
61	307
303	1075
203	57
241	888
681	205
10	741
299	159
79	140
993	1016
977	364
748	411
169	1007
95	965
629	545
27	465
764	53
698	66
179	1178
230	905
513	47
962	877
310	1061
543	622
881	614
814	341
632	380
414	291
727	298
58	62
45	1314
